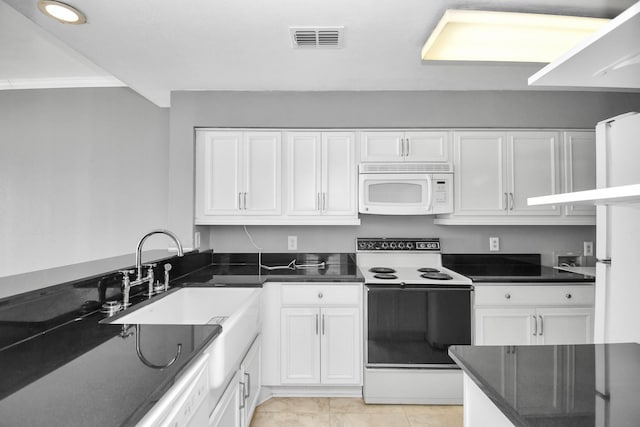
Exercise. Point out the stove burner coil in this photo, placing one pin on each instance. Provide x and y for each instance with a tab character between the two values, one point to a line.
436	276
428	270
385	276
382	270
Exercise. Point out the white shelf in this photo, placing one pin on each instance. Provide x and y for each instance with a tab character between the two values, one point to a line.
515	220
610	58
602	196
311	220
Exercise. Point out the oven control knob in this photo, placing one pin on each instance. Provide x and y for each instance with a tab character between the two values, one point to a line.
409	245
385	245
370	245
362	245
393	245
401	245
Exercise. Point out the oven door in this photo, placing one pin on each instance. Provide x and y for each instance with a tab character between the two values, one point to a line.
413	326
395	194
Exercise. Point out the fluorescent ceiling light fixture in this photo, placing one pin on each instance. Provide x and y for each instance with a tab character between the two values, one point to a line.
471	35
62	12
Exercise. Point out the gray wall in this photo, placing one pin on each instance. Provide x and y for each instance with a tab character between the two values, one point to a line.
530	109
83	175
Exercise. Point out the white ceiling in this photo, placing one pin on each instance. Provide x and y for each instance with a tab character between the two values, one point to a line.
155	48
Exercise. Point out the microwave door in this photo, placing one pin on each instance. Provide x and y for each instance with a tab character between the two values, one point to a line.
401	194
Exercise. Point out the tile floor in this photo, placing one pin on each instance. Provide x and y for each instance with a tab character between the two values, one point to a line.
351	412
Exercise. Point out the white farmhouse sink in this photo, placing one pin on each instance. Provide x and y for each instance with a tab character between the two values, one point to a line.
236	309
193	306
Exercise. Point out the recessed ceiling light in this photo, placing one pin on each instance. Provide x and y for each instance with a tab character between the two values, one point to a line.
471	35
62	12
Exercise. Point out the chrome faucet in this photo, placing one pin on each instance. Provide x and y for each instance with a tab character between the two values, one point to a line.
127	283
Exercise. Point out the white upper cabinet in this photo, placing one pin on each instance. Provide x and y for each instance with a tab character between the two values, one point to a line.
579	151
321	174
496	171
533	170
480	173
237	174
418	146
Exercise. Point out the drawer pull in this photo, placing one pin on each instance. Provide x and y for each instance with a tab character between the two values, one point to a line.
568	296
320	295
507	296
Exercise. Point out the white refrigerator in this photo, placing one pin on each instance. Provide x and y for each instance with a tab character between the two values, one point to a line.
617	289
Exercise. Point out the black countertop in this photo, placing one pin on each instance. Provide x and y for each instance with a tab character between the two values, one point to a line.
244	269
509	268
590	385
61	367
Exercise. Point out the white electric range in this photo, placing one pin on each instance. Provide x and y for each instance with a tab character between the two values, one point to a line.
414	310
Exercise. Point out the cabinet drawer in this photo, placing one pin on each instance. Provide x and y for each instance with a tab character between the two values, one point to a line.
320	294
519	295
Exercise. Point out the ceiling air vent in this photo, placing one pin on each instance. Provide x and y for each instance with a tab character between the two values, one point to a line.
317	37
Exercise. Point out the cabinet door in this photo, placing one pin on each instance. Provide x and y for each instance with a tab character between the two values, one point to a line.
508	326
300	346
533	171
304	171
339	187
427	146
565	325
250	371
381	146
533	372
262	173
479	169
341	345
219	185
579	167
227	411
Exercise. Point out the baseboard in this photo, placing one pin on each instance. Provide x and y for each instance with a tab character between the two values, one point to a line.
267	392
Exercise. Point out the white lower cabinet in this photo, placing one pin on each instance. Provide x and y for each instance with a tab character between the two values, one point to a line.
525	314
238	402
320	345
313	337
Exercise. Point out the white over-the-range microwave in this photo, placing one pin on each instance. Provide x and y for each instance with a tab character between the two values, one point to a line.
406	188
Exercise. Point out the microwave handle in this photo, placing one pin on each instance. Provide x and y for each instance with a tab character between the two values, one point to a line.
429	192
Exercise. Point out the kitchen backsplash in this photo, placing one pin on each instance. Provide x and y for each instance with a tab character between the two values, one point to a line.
549	241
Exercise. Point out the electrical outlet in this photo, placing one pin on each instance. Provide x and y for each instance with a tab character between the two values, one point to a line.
196	240
292	243
494	244
587	248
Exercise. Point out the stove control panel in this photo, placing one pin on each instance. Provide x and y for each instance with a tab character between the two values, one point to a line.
398	244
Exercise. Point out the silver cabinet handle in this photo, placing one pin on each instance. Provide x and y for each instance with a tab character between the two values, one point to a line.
408	152
318	206
401	147
606	261
506	201
245	201
324	202
244	399
248	388
535	323
316	324
511	198
239	201
541	325
323	324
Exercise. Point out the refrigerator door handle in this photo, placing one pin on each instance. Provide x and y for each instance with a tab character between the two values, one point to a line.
604	260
